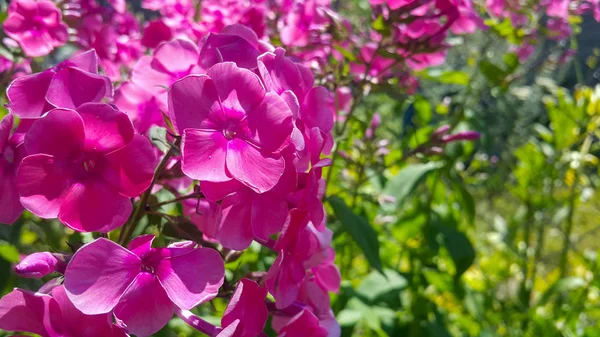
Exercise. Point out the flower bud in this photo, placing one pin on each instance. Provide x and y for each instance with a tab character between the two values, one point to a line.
36	265
463	135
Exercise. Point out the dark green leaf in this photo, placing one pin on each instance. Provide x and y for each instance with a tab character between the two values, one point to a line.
409	177
360	230
492	72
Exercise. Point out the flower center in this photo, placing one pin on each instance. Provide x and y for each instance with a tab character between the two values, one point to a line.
147	268
229	134
89	165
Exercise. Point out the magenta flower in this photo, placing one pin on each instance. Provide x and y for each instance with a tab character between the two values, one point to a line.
36	25
10	157
84	166
143	285
68	85
52	316
171	61
305	323
235	43
245	215
300	246
246	313
142	107
231	127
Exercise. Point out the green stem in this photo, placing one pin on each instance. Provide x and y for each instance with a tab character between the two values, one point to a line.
178	199
140	211
564	255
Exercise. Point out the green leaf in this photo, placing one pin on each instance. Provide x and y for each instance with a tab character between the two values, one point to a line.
360	230
376	285
492	72
443	282
346	53
454	77
9	253
380	26
458	245
561	286
467	202
409	177
512	62
423	109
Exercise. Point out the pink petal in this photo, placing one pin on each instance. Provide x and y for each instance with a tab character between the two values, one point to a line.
247	305
130	169
269	213
87	61
59	133
280	73
271	123
239	89
204	154
71	87
219	48
193	278
252	167
316	111
235	230
79	324
284	279
98	275
27	95
191	100
93	206
10	205
42	185
303	324
23	310
6	124
230	330
106	129
141	245
218	191
33	44
36	265
176	56
145	307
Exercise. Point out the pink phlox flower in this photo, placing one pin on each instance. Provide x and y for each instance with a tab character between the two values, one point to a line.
67	85
36	25
231	127
142	285
84	166
52	315
246	313
11	154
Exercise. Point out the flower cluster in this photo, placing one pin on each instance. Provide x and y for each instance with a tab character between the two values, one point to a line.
247	131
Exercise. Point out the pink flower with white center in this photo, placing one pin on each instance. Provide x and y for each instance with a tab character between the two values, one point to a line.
231	127
52	315
36	25
143	285
246	313
84	166
67	85
11	154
